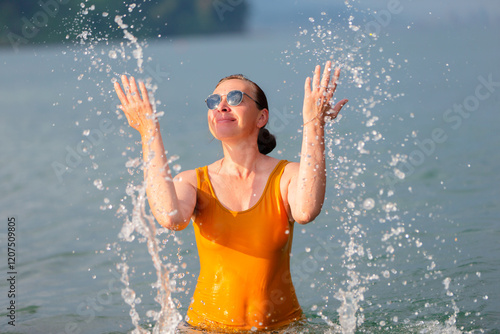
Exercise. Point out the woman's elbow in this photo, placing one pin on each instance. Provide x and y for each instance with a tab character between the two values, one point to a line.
172	221
307	216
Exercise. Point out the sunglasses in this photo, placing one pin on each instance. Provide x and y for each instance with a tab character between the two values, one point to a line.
233	98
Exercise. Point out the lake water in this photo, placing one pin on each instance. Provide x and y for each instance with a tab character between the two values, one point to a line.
408	238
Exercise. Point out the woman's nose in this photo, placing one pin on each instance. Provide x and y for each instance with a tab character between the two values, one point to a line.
223	105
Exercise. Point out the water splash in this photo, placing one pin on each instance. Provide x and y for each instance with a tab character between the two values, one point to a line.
129	297
137	52
144	224
369	258
372	74
139	225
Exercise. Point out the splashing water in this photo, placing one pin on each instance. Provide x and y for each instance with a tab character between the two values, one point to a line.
140	226
167	318
371	73
357	204
137	52
144	224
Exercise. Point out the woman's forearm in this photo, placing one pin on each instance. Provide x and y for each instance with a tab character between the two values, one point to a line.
160	189
311	182
308	191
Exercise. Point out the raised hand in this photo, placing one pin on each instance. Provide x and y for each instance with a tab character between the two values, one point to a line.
317	101
137	108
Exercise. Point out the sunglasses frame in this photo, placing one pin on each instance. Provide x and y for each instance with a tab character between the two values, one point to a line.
232	105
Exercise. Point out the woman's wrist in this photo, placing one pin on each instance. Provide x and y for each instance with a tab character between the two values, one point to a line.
150	132
314	120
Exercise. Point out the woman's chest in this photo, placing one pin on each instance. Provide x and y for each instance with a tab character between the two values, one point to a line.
261	231
238	195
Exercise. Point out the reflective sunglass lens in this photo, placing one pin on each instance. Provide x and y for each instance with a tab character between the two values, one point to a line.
213	101
234	97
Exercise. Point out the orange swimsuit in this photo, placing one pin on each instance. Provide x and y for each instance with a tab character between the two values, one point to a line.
244	280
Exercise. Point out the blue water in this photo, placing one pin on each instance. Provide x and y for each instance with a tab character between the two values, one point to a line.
410	224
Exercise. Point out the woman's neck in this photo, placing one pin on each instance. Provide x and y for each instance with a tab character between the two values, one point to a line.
240	160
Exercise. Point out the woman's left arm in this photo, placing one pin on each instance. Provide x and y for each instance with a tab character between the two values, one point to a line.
306	190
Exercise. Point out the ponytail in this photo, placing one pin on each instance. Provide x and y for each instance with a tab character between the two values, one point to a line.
266	141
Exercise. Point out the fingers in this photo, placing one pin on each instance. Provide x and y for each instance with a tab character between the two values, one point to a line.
316	78
340	104
318	100
144	92
336	75
121	95
334	112
133	89
307	86
326	74
330	84
130	91
126	84
135	104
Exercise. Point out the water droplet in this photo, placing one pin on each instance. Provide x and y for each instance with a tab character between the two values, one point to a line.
128	295
368	204
98	184
399	174
112	54
390	207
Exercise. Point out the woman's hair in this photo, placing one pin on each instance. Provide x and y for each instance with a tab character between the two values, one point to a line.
266	141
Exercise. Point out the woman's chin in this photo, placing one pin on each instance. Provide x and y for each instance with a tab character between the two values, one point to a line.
224	132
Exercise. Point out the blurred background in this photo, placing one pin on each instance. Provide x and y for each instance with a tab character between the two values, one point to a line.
408	238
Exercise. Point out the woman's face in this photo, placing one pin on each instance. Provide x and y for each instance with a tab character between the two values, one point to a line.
239	121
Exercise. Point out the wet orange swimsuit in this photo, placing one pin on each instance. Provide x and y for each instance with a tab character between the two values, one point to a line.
244	279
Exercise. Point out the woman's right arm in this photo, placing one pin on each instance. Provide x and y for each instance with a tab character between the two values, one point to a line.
172	201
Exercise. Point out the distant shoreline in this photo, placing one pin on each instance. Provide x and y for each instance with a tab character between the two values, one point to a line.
58	21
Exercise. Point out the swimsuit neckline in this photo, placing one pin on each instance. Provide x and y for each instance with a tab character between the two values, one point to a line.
268	184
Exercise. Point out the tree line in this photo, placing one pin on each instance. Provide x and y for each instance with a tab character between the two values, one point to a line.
52	21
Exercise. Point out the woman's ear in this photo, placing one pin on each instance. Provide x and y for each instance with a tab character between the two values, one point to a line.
263	118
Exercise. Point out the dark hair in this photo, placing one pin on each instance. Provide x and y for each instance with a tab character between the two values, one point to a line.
265	141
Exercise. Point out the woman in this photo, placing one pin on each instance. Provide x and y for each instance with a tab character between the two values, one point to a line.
243	206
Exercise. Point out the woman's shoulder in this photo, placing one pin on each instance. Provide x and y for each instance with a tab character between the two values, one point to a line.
291	167
188	176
